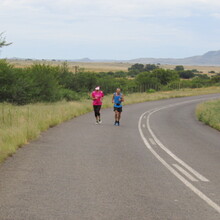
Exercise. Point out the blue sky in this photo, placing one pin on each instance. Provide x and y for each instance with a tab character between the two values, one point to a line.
104	29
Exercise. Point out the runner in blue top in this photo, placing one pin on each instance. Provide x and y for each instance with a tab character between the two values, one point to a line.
117	99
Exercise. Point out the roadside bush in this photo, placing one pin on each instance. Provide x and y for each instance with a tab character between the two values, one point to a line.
83	81
147	80
216	78
69	95
45	84
151	91
165	76
15	85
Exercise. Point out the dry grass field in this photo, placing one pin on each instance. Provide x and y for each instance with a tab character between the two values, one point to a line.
105	67
92	66
20	124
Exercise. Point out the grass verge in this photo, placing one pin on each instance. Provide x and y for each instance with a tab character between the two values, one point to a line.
208	113
20	124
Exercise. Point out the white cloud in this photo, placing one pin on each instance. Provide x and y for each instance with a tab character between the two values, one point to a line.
111	8
71	22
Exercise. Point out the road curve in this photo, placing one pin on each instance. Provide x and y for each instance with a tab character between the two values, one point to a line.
161	163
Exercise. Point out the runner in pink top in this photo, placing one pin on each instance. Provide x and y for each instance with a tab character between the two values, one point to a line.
97	97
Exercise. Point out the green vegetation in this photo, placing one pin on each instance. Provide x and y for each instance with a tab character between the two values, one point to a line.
42	96
45	83
179	68
20	124
209	113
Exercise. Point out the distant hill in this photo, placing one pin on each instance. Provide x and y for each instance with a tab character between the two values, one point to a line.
84	60
209	58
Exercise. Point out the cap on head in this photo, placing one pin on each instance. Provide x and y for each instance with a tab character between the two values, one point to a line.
97	88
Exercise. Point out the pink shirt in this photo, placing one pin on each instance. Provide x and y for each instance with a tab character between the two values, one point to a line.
98	95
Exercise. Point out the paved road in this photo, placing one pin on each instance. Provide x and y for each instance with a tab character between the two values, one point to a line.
160	164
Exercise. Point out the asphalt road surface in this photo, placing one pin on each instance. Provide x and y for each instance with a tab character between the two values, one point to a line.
161	163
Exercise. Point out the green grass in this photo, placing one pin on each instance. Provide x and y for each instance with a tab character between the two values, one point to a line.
21	124
209	113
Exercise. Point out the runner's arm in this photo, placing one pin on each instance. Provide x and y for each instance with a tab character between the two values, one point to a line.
102	96
113	98
92	97
122	98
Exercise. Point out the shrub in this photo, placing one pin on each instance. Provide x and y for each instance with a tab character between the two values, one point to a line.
151	91
179	68
69	95
187	74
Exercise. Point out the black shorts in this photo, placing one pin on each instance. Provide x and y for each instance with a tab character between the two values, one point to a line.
118	109
97	108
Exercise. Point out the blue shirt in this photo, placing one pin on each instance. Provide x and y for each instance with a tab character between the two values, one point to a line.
118	100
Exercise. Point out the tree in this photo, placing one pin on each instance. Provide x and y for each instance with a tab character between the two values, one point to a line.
3	42
139	67
202	76
150	67
195	71
45	82
212	71
186	74
147	80
216	78
165	76
179	68
84	82
15	84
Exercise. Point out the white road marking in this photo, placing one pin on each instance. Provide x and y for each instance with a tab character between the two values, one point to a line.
184	172
172	170
194	172
152	141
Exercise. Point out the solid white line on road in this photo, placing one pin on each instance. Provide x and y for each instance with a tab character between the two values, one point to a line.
194	172
184	172
152	141
175	173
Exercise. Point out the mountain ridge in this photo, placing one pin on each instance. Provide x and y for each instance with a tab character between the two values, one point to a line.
209	58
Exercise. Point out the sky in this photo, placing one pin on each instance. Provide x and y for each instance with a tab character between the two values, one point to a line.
109	29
